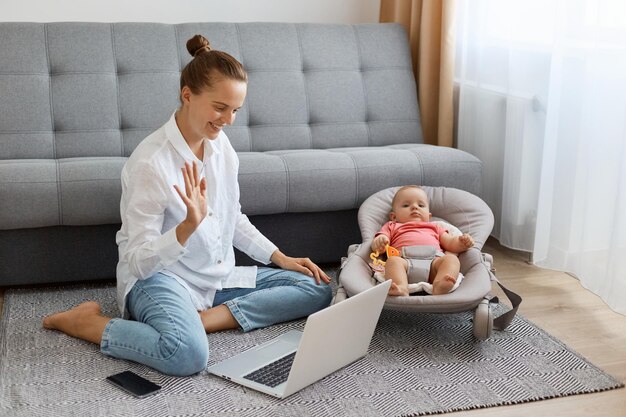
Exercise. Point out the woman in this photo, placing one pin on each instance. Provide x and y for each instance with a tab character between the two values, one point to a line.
176	276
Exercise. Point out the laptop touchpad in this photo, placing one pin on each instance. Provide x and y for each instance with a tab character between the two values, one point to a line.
274	350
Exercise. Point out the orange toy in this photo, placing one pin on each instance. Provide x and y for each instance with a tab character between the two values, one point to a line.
391	251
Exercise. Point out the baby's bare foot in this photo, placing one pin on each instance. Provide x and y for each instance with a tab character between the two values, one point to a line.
396	290
71	320
443	285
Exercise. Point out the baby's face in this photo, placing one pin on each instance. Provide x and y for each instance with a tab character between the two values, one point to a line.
411	204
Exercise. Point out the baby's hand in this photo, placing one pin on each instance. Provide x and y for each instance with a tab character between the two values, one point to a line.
379	243
466	240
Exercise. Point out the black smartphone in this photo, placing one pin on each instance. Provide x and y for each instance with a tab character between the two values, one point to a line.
134	384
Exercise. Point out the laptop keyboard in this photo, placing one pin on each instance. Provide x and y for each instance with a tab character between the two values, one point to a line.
273	374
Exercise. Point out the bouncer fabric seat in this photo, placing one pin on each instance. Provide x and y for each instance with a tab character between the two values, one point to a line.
459	208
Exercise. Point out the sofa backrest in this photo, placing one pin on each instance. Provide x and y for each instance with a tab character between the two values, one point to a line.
97	89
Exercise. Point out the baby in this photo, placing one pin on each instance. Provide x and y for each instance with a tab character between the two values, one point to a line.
409	226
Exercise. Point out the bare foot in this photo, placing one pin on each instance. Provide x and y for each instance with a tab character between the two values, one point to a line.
395	290
443	285
84	321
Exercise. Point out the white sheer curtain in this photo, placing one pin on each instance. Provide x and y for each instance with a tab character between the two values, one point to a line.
542	102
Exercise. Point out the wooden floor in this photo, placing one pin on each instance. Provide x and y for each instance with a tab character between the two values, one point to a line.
558	303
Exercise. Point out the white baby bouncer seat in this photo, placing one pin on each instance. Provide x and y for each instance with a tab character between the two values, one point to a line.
460	209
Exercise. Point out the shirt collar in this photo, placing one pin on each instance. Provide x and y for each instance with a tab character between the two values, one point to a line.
180	145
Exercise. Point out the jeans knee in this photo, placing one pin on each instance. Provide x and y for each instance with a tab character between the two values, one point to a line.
191	357
327	294
322	294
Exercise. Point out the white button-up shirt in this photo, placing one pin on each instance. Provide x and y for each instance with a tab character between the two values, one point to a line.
151	209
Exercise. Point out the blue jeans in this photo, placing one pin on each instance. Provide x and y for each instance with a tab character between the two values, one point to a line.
166	332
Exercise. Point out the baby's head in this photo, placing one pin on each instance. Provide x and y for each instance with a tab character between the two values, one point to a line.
410	203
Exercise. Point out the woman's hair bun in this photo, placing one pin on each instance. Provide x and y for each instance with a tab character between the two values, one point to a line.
197	45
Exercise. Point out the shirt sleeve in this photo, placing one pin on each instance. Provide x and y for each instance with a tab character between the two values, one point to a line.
147	249
385	230
249	240
441	230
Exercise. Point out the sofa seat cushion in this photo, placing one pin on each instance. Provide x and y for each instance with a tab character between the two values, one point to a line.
53	192
86	191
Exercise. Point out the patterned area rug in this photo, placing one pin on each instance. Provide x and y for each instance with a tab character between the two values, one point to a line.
417	365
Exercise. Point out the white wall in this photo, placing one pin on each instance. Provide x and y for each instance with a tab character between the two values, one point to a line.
176	11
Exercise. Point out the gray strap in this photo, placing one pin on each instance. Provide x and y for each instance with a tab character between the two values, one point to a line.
419	252
501	322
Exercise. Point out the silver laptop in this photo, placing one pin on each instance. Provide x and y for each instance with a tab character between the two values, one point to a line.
332	338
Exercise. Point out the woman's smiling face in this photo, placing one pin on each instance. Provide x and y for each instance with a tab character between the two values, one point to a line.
213	108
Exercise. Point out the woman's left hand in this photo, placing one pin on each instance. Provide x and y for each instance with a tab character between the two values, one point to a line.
302	265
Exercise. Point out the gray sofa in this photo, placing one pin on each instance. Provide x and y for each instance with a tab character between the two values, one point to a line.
331	117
